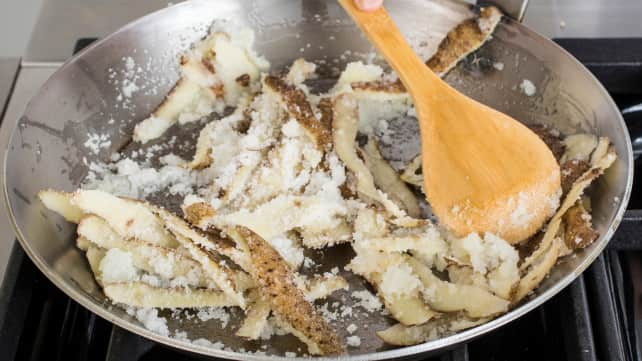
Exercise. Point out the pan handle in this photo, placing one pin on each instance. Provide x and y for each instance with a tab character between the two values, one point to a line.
628	236
513	8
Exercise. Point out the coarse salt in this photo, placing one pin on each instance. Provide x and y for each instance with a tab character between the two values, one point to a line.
118	266
367	300
399	280
96	142
216	313
351	328
353	341
527	87
151	320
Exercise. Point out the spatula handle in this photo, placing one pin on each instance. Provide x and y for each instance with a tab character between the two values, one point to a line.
384	34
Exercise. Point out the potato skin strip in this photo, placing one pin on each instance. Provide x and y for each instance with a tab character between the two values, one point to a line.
138	294
203	154
97	231
410	175
603	157
448	297
94	256
214	266
259	310
277	281
538	271
255	318
144	256
214	74
345	126
83	243
408	309
184	93
60	202
296	103
464	39
221	275
179	227
321	287
571	171
400	335
578	230
131	219
293	213
387	179
341	233
198	213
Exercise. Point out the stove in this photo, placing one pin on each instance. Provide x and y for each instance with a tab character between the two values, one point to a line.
598	317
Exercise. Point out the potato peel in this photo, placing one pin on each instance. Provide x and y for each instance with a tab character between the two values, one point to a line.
449	297
259	309
255	317
603	157
131	219
539	269
60	202
277	281
387	179
401	335
345	125
139	294
410	175
153	259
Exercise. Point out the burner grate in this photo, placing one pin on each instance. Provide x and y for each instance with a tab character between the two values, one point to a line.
582	323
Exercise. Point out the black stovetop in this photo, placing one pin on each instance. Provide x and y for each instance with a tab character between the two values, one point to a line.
598	317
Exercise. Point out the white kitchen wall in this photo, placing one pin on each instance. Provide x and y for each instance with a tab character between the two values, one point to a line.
17	18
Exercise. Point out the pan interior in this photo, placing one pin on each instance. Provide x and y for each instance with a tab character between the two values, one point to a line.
85	97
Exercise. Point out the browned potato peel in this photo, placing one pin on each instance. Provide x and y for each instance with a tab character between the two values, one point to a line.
277	282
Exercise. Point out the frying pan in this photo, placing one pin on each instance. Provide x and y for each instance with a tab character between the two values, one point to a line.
47	147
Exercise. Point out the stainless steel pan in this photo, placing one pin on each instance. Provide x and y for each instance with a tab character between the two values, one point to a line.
46	149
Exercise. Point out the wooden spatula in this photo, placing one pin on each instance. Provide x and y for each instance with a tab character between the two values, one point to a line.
483	170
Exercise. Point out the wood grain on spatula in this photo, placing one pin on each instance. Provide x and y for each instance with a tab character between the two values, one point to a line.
483	170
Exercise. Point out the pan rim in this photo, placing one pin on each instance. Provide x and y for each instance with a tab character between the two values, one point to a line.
424	348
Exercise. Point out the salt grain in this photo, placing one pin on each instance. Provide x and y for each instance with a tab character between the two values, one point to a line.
353	341
209	344
216	313
150	319
367	300
118	266
399	280
528	88
96	142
